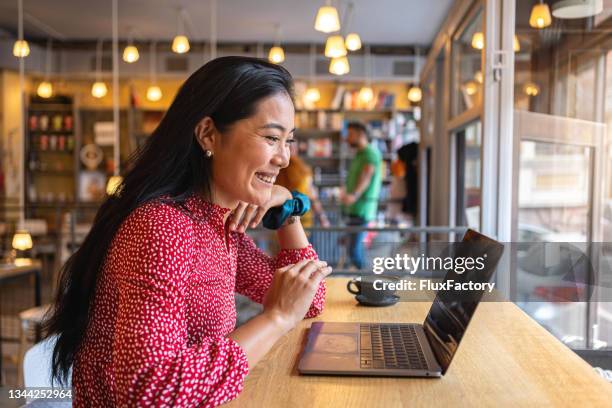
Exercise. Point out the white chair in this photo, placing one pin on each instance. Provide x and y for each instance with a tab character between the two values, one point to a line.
37	372
31	320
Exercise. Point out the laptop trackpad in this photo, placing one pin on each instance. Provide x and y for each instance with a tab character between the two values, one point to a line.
331	347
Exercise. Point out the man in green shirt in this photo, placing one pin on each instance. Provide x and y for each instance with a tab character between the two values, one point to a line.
360	197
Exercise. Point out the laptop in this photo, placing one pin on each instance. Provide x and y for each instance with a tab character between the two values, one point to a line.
405	349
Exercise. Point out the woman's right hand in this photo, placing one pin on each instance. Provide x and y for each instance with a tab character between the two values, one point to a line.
292	291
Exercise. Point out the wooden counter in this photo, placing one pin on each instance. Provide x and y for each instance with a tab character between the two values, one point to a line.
505	359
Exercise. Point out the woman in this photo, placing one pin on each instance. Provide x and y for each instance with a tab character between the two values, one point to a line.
145	312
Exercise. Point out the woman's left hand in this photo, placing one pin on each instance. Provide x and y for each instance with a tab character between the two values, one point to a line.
250	215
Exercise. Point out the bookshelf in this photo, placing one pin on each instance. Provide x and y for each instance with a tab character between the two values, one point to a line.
51	147
321	135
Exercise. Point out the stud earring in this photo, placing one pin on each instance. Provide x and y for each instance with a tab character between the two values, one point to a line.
208	153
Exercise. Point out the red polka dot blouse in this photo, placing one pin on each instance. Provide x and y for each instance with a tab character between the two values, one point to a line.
163	308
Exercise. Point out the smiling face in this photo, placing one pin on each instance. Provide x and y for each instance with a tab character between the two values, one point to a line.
248	156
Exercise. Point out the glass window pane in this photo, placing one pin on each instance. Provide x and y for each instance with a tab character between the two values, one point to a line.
469	164
553	207
560	74
466	68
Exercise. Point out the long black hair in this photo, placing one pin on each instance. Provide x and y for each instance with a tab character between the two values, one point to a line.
170	164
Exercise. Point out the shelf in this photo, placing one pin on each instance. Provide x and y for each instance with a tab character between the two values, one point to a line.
55	204
54	172
317	131
333	157
382	110
52	132
70	152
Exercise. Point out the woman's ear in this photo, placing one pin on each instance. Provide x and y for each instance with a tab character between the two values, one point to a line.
205	133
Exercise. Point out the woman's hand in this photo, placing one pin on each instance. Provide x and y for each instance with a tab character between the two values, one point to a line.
292	290
250	215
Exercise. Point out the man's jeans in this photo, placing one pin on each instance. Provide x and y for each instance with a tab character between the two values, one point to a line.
356	249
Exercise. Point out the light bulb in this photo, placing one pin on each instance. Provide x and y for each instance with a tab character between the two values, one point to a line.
352	42
577	8
180	44
45	89
154	93
327	20
99	89
22	240
113	183
339	66
130	54
516	44
531	89
366	94
479	77
21	49
276	54
415	94
478	40
312	95
540	16
334	47
470	88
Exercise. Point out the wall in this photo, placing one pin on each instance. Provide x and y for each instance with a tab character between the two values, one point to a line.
11	137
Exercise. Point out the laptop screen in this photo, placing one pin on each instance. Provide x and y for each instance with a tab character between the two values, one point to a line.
452	310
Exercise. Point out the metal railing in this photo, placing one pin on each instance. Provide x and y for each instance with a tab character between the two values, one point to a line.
331	243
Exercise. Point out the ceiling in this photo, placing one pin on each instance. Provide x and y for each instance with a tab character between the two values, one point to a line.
405	21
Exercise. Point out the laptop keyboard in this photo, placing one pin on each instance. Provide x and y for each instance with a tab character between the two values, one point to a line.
391	346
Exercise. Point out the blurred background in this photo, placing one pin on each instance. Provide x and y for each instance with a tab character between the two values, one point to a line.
493	115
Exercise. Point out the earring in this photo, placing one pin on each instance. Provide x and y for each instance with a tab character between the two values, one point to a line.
208	153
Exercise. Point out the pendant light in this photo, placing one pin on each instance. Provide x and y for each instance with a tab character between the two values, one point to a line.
154	92
470	88
531	89
130	52
540	15
180	44
516	45
114	183
366	94
327	20
478	40
21	48
334	46
415	94
276	54
99	89
577	8
339	66
312	94
45	89
22	240
352	40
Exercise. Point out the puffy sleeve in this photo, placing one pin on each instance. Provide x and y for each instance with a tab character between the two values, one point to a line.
256	269
152	363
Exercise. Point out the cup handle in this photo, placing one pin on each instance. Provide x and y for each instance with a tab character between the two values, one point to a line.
350	289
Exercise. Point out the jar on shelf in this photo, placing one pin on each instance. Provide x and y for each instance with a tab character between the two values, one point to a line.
33	122
43	122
